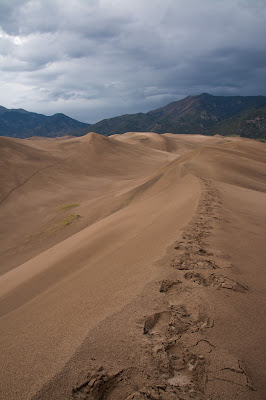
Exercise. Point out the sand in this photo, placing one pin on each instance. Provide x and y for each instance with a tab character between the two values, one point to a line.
132	267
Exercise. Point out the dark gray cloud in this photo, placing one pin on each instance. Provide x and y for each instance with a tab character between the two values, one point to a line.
100	58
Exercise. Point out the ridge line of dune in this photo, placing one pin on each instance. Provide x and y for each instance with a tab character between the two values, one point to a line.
178	332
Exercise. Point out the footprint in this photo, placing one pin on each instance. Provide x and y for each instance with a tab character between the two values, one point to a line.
226	283
218	281
189	261
188	370
167	324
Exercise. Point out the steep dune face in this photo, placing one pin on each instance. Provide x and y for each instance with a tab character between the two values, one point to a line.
45	176
149	288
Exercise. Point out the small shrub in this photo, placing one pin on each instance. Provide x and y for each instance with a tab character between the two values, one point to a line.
70	218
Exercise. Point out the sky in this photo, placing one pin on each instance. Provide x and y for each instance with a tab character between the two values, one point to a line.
96	59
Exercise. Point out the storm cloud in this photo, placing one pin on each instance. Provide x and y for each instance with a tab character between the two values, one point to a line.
94	59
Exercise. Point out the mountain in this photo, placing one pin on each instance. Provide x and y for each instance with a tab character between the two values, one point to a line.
203	114
22	124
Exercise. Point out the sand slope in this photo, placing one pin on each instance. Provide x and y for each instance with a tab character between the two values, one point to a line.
132	268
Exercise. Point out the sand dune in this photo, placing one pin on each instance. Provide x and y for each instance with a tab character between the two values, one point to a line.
132	268
177	144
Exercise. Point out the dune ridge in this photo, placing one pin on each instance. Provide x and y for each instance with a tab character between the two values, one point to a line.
151	291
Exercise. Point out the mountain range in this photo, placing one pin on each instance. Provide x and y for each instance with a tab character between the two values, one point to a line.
203	114
20	123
